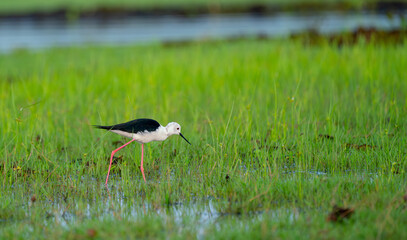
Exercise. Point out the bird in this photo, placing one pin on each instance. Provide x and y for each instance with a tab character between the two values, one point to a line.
142	130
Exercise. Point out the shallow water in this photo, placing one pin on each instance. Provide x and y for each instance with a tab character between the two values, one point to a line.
122	201
200	215
49	32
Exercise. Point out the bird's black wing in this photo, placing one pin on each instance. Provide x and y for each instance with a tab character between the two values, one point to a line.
134	126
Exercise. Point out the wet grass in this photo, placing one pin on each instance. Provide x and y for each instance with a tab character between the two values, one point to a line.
285	136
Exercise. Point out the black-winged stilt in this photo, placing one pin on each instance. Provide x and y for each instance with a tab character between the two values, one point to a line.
142	130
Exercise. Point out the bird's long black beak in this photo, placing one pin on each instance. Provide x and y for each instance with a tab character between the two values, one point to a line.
184	138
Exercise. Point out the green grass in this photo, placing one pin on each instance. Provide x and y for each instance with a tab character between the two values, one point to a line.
9	6
281	132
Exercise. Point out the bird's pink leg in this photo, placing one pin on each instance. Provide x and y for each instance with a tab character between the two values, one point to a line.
111	158
141	168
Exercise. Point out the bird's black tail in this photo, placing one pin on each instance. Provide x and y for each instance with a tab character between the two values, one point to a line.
103	127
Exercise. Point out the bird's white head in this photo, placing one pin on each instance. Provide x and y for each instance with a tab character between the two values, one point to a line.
174	128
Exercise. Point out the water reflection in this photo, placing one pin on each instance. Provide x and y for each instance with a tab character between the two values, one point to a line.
28	33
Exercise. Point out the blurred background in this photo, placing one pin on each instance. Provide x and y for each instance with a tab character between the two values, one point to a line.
36	24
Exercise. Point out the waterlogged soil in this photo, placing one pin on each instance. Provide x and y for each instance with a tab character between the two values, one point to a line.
112	203
60	208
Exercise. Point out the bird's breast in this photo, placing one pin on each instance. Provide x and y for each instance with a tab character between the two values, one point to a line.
144	137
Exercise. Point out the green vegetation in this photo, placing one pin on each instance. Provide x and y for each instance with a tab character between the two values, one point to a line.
281	133
8	6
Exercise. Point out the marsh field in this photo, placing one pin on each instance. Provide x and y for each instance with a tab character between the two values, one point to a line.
289	140
293	137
